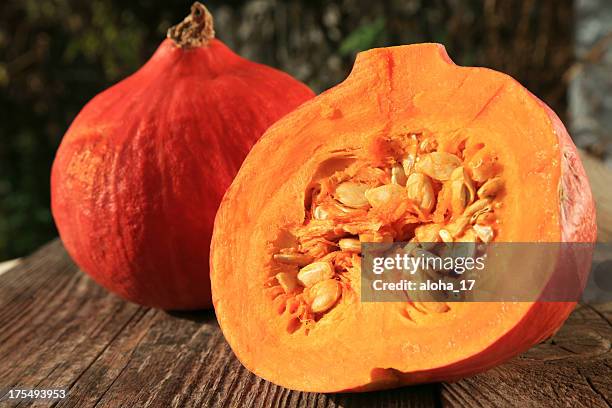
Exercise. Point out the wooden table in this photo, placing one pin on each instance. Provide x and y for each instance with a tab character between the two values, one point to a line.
58	329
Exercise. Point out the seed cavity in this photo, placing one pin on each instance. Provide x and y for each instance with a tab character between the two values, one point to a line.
424	193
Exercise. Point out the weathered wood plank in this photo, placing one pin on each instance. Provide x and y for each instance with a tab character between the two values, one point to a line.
572	369
68	332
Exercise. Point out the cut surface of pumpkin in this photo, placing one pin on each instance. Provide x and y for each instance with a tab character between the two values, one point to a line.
409	148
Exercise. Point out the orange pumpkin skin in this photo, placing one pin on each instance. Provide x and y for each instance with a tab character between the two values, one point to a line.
142	169
364	346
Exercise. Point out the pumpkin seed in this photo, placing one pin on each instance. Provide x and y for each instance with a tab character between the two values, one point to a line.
420	190
476	206
482	167
408	164
438	165
288	281
346	210
350	245
324	295
398	175
382	195
293	258
484	232
490	188
315	273
462	190
486	210
352	194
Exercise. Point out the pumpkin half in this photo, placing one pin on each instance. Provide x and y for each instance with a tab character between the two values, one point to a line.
410	147
140	173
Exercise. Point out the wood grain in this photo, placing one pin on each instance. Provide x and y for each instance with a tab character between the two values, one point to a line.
572	369
59	329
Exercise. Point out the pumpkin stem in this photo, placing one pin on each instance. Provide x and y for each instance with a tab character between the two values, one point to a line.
196	30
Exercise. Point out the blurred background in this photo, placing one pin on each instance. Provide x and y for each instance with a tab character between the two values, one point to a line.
55	55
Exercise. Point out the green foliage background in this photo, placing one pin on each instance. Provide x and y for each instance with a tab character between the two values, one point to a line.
55	55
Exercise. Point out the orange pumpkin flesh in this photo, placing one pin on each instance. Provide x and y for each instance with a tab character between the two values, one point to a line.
356	132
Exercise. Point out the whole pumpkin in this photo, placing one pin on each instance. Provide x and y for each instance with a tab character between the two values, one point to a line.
142	169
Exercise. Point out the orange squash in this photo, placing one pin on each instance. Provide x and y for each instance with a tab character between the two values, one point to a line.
404	149
139	175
